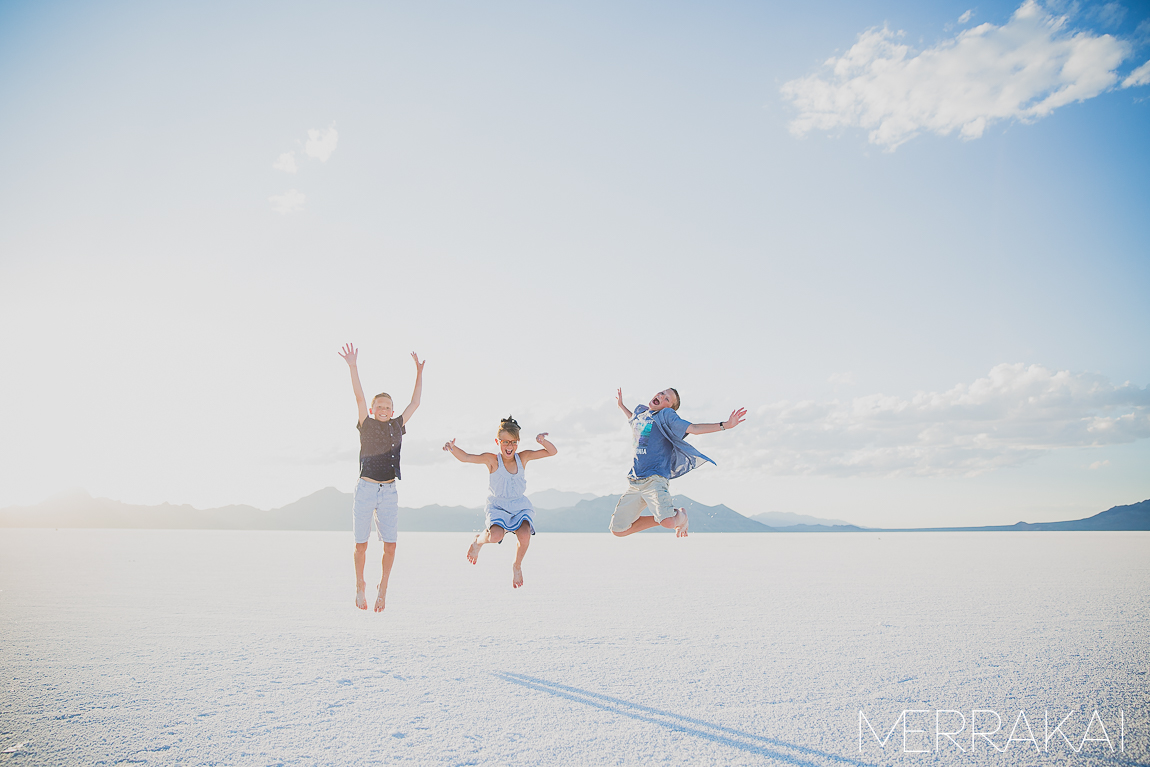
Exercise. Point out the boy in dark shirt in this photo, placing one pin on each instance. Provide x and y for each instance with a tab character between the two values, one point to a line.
380	439
661	454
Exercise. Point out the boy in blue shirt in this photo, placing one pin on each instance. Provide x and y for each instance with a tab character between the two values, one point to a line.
661	454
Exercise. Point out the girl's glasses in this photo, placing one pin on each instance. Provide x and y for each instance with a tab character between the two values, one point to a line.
508	442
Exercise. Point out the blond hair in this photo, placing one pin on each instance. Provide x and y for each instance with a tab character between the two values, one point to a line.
510	426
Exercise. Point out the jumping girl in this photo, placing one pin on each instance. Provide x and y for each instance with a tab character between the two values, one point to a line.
508	509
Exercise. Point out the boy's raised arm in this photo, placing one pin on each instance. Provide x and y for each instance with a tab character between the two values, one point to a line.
737	417
349	354
415	395
619	399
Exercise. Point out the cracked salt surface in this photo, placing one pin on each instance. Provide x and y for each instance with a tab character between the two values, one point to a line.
236	647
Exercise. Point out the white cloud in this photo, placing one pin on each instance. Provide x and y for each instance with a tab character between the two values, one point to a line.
1022	70
286	163
290	201
841	379
321	143
1014	414
965	17
1140	76
1098	465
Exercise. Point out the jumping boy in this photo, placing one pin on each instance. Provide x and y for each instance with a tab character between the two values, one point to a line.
661	454
380	438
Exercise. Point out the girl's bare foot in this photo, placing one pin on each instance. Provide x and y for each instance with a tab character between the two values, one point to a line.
680	523
516	576
380	601
361	596
473	552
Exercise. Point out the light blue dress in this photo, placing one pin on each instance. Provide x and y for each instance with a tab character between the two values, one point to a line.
508	506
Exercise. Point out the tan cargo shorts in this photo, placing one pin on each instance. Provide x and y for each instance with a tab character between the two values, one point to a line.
648	491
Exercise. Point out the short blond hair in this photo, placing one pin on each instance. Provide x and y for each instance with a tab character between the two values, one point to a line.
382	395
677	400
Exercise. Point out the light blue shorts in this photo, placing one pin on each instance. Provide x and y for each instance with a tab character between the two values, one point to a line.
380	500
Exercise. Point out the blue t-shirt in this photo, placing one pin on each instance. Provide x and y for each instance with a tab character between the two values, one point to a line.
654	452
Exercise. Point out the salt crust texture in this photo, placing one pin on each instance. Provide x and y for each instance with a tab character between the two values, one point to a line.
214	647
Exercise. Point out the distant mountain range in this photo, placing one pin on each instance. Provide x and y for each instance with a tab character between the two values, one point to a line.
557	499
1135	516
330	509
787	519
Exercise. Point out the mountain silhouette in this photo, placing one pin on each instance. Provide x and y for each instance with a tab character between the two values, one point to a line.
330	509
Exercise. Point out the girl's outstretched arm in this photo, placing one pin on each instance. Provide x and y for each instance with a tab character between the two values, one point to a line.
547	451
487	459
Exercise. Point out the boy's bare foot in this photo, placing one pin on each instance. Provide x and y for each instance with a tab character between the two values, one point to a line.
473	551
516	576
381	601
681	523
361	596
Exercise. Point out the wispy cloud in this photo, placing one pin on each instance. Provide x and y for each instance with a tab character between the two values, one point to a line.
965	17
321	143
290	201
1140	76
1022	70
286	163
1107	14
1014	414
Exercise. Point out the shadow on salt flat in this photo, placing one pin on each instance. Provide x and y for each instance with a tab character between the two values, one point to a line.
745	741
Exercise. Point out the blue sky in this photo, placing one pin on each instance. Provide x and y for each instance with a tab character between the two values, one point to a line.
549	201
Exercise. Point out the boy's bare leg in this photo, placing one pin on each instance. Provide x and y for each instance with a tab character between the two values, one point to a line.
493	534
388	561
645	522
522	541
678	523
360	557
